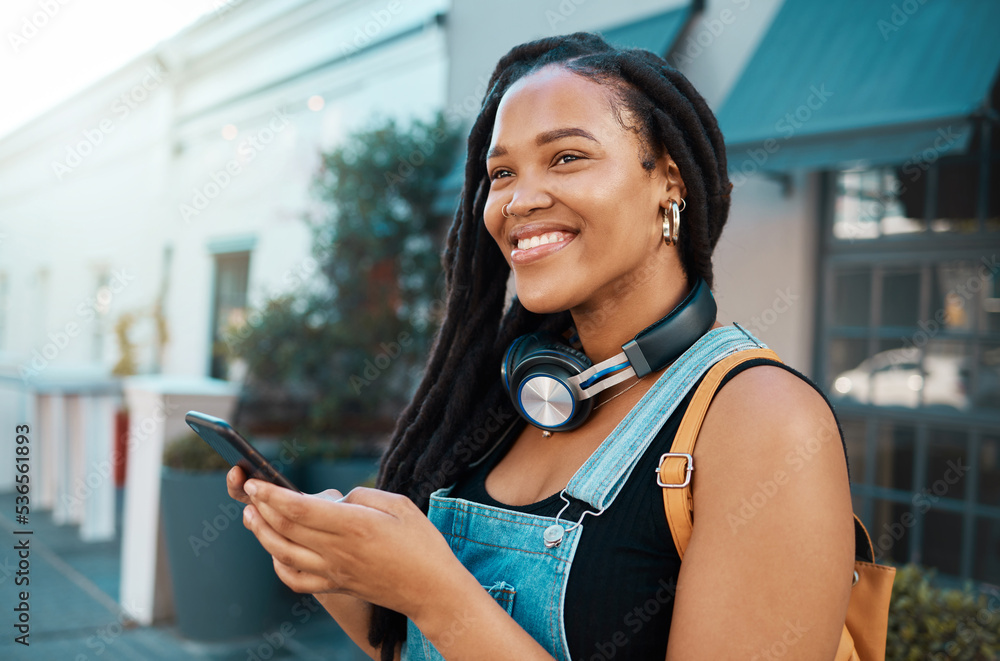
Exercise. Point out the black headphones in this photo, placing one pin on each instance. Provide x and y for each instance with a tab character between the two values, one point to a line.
552	384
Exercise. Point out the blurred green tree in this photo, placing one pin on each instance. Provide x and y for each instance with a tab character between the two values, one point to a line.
342	353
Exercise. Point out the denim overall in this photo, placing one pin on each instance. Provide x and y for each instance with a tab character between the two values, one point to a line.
507	551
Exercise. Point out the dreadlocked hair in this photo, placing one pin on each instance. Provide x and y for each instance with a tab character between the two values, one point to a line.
457	412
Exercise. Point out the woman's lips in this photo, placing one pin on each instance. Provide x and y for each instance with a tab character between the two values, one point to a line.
529	255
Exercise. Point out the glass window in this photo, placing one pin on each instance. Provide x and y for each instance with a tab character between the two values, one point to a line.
102	306
854	438
988	470
986	390
987	551
958	195
848	369
894	456
946	377
895	378
853	219
993	207
947	465
901	298
852	298
953	299
941	546
894	451
890	533
230	305
857	500
879	202
991	300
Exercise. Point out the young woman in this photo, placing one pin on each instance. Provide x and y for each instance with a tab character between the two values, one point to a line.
578	166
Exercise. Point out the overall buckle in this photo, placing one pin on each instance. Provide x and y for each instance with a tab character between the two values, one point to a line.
687	473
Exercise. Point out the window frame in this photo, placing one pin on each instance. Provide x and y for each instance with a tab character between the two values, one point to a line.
924	250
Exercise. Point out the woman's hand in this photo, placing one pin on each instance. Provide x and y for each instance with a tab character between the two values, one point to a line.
235	479
373	545
378	547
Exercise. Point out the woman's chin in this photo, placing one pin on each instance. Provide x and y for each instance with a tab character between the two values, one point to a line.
542	302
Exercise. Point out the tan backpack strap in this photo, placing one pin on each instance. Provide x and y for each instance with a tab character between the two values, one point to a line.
674	471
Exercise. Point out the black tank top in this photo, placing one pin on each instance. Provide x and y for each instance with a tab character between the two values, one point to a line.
620	595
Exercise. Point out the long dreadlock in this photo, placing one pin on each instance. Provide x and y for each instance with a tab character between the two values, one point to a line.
446	426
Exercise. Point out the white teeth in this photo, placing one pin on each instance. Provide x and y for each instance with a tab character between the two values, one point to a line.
540	240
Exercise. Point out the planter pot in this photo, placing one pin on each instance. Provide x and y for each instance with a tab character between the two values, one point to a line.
340	474
223	580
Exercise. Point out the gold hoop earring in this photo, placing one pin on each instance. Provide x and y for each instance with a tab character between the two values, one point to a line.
671	224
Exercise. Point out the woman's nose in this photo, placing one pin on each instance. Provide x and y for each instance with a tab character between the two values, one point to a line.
530	193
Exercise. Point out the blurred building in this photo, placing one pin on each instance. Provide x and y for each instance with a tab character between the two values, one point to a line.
174	191
862	245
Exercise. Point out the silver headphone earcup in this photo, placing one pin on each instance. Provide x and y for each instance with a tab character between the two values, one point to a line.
536	372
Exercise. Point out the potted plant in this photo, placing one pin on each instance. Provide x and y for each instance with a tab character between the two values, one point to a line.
223	580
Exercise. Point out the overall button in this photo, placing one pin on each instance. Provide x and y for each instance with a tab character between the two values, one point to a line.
553	535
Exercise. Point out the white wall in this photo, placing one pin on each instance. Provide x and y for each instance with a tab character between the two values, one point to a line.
765	265
95	214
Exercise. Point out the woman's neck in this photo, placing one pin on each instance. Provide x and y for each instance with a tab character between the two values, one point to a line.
618	316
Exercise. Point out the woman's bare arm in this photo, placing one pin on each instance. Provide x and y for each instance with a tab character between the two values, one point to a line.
768	569
352	614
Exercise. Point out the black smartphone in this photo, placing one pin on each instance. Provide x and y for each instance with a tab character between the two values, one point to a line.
235	449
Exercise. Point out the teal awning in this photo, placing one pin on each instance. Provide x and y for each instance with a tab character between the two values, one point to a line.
855	82
656	33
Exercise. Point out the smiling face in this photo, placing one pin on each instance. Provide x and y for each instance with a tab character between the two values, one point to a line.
584	215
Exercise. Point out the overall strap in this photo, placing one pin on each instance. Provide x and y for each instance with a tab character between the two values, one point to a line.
674	472
601	477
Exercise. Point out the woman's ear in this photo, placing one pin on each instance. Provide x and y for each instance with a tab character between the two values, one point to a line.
673	184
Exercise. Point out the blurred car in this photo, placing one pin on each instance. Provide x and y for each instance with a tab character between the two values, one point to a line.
897	378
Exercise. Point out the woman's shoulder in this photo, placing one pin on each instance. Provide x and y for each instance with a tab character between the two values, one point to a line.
769	423
774	398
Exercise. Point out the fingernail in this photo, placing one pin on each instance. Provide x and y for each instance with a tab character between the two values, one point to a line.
247	514
250	488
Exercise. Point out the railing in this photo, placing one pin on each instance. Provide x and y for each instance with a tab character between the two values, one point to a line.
70	417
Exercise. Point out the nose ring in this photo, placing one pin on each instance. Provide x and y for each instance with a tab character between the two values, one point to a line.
503	210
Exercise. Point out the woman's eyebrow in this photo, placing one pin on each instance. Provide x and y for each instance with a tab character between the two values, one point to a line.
557	134
545	138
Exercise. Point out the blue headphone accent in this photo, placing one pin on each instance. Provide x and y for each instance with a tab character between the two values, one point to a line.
552	384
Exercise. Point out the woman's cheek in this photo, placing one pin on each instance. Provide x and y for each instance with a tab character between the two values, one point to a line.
492	219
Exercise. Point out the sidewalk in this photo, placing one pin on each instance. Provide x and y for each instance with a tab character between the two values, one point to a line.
74	614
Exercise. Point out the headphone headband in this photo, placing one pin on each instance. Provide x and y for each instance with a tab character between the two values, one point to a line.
661	343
